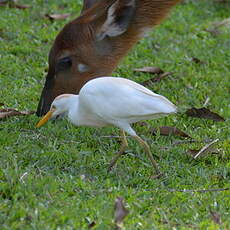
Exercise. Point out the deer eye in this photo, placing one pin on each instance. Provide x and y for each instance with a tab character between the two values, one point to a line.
82	68
63	64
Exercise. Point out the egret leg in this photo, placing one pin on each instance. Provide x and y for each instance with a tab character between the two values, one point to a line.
124	145
147	150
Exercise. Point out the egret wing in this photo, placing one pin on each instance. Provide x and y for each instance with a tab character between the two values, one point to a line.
121	99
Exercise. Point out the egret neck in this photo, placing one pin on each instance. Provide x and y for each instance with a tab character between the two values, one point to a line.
73	112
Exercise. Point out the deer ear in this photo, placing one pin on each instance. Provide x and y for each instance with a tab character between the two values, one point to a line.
87	4
119	16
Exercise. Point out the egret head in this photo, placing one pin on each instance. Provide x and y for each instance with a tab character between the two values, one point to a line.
59	106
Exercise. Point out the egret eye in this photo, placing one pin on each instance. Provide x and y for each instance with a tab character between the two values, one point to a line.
63	64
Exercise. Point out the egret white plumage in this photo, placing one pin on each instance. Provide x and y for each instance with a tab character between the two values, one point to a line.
113	101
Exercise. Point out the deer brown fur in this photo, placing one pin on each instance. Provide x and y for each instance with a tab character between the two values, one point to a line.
93	44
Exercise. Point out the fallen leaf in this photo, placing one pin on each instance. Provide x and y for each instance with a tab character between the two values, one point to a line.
208	148
5	113
204	113
156	79
225	22
120	212
57	16
215	217
167	130
13	4
197	60
21	7
215	29
91	225
149	69
153	70
163	75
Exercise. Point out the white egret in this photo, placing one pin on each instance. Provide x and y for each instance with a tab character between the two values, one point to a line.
112	101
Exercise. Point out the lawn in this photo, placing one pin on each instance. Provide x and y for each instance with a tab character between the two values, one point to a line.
56	177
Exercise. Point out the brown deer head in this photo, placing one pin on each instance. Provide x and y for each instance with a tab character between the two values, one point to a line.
93	44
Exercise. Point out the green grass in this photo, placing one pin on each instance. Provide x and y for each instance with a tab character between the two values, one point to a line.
55	177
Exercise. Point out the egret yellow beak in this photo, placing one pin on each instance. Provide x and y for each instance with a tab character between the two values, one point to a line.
45	118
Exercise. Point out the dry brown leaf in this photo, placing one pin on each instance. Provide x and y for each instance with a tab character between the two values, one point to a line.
213	31
167	130
150	69
163	75
120	212
209	148
225	23
204	113
57	16
13	4
197	60
215	217
153	70
21	7
156	79
5	113
216	28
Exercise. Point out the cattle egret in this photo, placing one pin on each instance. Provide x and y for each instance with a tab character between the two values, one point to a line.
113	101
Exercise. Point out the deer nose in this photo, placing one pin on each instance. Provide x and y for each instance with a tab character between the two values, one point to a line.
44	105
46	98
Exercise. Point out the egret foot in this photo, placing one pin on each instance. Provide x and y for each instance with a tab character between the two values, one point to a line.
124	145
147	150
